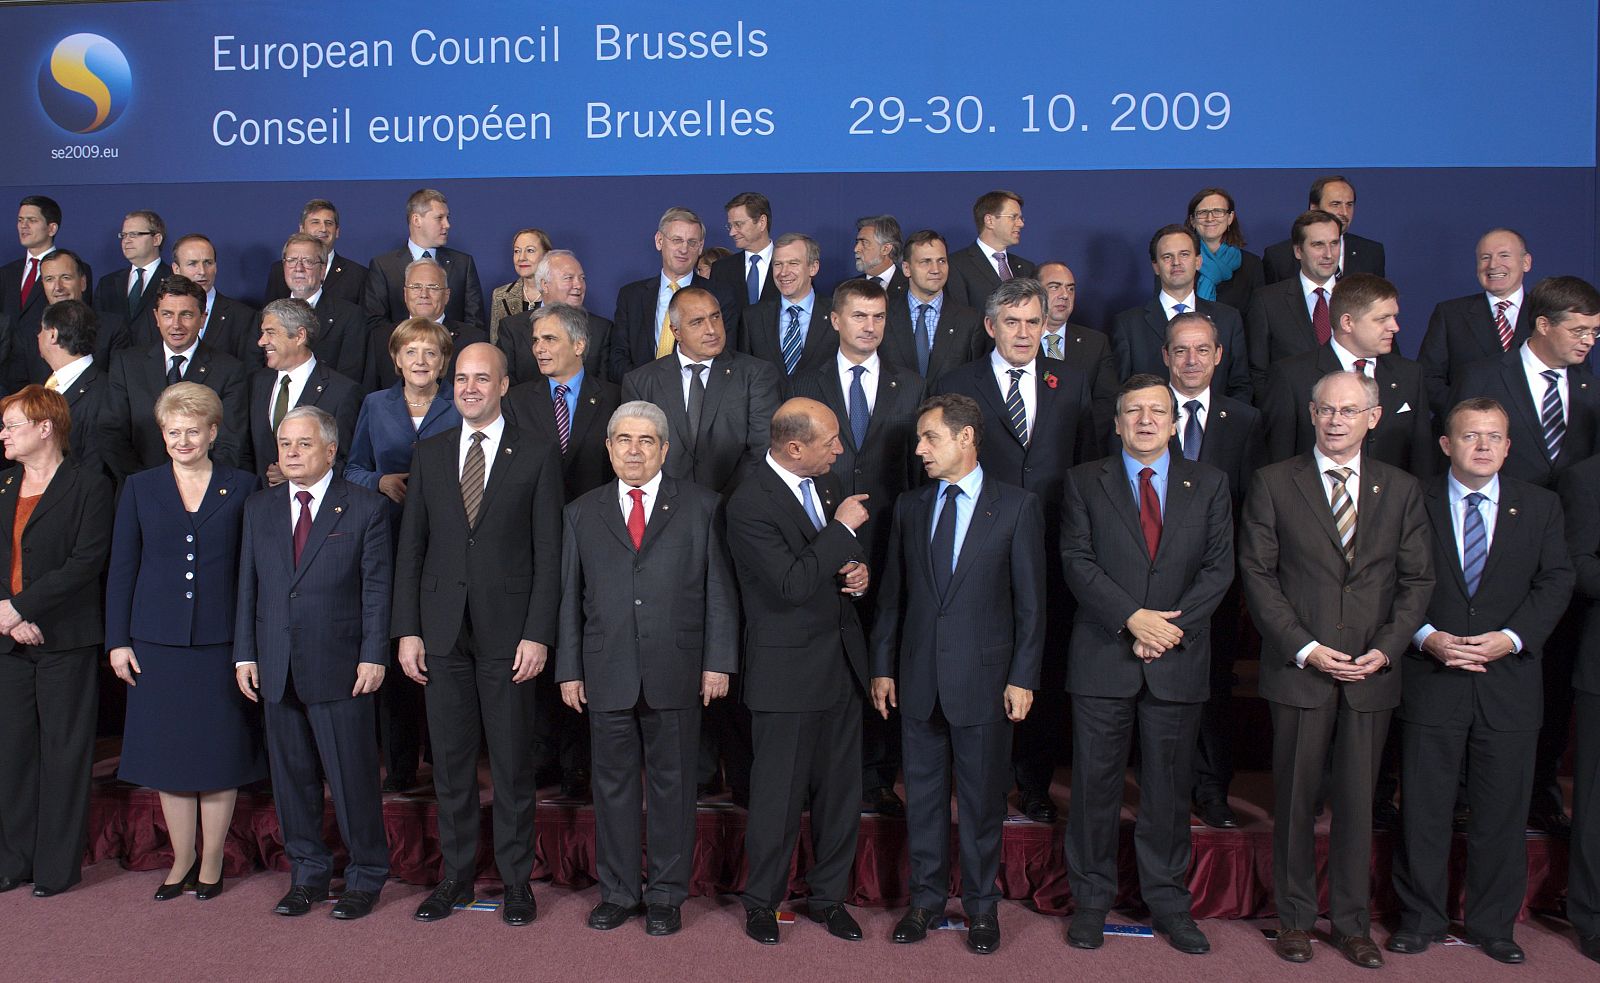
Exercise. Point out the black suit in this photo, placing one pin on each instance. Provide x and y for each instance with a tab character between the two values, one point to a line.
1246	280
232	327
805	673
341	336
741	396
1112	575
308	625
1580	499
48	691
952	655
1461	331
21	320
762	327
345	280
1490	719
516	340
472	593
641	669
325	389
86	399
973	277
958	339
380	372
634	324
731	286
20	349
1361	255
111	295
1403	436
1140	334
1089	351
130	437
1277	326
385	295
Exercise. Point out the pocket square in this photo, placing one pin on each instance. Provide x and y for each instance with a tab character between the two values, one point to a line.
1404	408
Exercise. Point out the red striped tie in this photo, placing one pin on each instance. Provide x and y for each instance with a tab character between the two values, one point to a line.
1500	323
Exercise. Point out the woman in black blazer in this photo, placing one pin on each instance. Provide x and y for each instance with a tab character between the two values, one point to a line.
1228	274
169	632
55	531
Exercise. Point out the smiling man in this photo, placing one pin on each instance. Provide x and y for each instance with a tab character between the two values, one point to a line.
561	280
342	277
979	269
294	377
1485	324
790	331
1292	315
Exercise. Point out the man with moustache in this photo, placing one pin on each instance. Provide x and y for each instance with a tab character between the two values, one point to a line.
1334	194
387	295
342	327
342	277
1337	564
561	280
1486	324
1292	315
928	332
877	252
1085	349
229	325
649	635
979	269
62	276
293	377
792	331
642	333
427	294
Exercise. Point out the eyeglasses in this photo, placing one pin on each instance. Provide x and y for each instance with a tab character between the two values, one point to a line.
132	235
678	242
301	261
1345	413
1583	334
9	427
1210	213
424	288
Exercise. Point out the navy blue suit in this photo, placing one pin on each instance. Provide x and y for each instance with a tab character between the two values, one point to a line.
385	438
308	626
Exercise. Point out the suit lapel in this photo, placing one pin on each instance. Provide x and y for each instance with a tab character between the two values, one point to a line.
588	411
1370	501
614	520
718	379
1180	497
328	515
888	393
1310	482
316	383
671	402
1516	382
665	508
833	395
1114	482
1507	530
990	389
506	453
66	475
978	530
1155	318
817	331
217	493
1438	506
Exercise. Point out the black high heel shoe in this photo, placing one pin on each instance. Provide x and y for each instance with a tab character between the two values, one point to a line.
204	891
190	880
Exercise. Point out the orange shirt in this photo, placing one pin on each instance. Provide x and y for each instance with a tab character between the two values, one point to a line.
24	513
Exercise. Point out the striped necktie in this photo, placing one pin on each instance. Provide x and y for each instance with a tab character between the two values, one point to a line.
1016	412
472	472
1551	418
791	341
563	417
1344	511
1502	324
1474	542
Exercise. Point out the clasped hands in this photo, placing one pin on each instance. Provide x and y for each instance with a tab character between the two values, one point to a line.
1343	667
22	632
1153	632
1472	653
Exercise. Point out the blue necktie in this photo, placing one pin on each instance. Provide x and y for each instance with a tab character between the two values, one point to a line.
811	508
791	341
924	343
1179	309
752	281
942	549
1016	410
1192	434
1551	418
1474	543
859	414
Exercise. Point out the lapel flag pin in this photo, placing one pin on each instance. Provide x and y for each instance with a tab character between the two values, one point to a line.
1511	511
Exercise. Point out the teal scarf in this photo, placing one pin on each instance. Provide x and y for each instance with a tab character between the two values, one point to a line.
1216	267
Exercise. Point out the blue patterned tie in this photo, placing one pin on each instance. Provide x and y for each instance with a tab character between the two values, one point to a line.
859	414
924	343
752	281
1474	543
1550	415
1179	309
792	341
811	508
1192	434
1016	412
942	548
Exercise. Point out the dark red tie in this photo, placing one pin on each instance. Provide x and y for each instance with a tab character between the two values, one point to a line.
1319	317
636	518
1501	324
1361	366
1149	512
302	525
32	278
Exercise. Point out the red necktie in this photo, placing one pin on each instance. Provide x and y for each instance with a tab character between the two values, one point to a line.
1500	323
30	280
636	518
302	525
1319	317
1361	366
1149	511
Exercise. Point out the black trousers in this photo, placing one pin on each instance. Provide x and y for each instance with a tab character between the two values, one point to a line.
978	756
560	734
1213	759
400	716
1557	656
1102	736
725	744
470	695
1300	742
47	719
816	752
1583	872
1499	774
664	744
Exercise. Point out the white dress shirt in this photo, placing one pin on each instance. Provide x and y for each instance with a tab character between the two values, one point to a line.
1352	487
1169	303
69	373
763	268
491	445
318	491
1308	287
685	375
664	294
1347	359
1027	385
188	358
1204	413
1511	312
793	480
869	378
650	488
297	377
1532	366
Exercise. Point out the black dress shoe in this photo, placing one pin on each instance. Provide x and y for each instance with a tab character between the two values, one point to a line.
840	924
1216	814
608	915
1589	945
913	925
1500	950
983	934
40	891
517	908
1087	930
1039	808
1385	817
1410	943
399	783
354	904
167	892
12	883
443	900
761	924
661	918
1554	822
1183	934
205	892
299	900
884	802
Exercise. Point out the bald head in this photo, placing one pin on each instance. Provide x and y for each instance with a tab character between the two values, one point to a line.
1060	291
481	380
805	437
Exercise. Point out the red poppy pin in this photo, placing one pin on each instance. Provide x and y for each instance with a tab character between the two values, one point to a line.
1050	379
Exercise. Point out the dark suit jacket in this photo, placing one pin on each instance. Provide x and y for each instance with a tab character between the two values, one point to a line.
20	348
347	281
111	294
1234	443
64	550
316	622
633	332
342	336
973	279
959	338
162	556
898	283
801	633
86	399
1300	589
1276	326
987	632
1246	280
516	340
585	464
1089	351
1527	580
380	367
1460	332
1503	379
130	438
1403	439
1580	501
385	295
24	318
733	293
1140	333
689	622
506	569
232	327
735	420
324	389
1110	572
1361	255
761	328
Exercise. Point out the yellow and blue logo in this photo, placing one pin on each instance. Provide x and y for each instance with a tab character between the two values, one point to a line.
85	83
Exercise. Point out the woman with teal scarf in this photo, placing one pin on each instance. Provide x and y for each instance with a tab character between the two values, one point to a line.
1228	274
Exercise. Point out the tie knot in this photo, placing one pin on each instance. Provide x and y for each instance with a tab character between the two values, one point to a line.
857	370
1147	473
477	438
951	493
1341	475
696	368
1000	257
794	310
427	254
1361	365
673	284
754	259
283	380
179	360
1193	406
637	494
1551	376
1501	305
562	390
924	308
1015	374
1320	292
304	497
805	487
1475	499
1179	308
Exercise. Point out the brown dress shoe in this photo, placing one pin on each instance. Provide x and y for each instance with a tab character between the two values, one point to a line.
1293	944
1361	950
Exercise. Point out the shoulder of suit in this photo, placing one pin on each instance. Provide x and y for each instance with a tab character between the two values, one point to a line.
1376	472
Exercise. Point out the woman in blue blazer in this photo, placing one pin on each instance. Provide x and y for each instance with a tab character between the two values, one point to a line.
170	597
391	422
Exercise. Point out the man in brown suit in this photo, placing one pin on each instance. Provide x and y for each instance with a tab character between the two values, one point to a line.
1337	564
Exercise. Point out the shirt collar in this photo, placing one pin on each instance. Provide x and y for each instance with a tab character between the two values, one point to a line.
575	384
1307	285
650	489
1458	491
1324	463
312	300
1001	365
684	361
845	365
970	485
937	303
69	373
187	353
491	432
1160	465
300	373
804	303
1347	358
1515	297
1168	302
417	251
665	282
318	491
789	477
1534	364
1204	396
40	257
